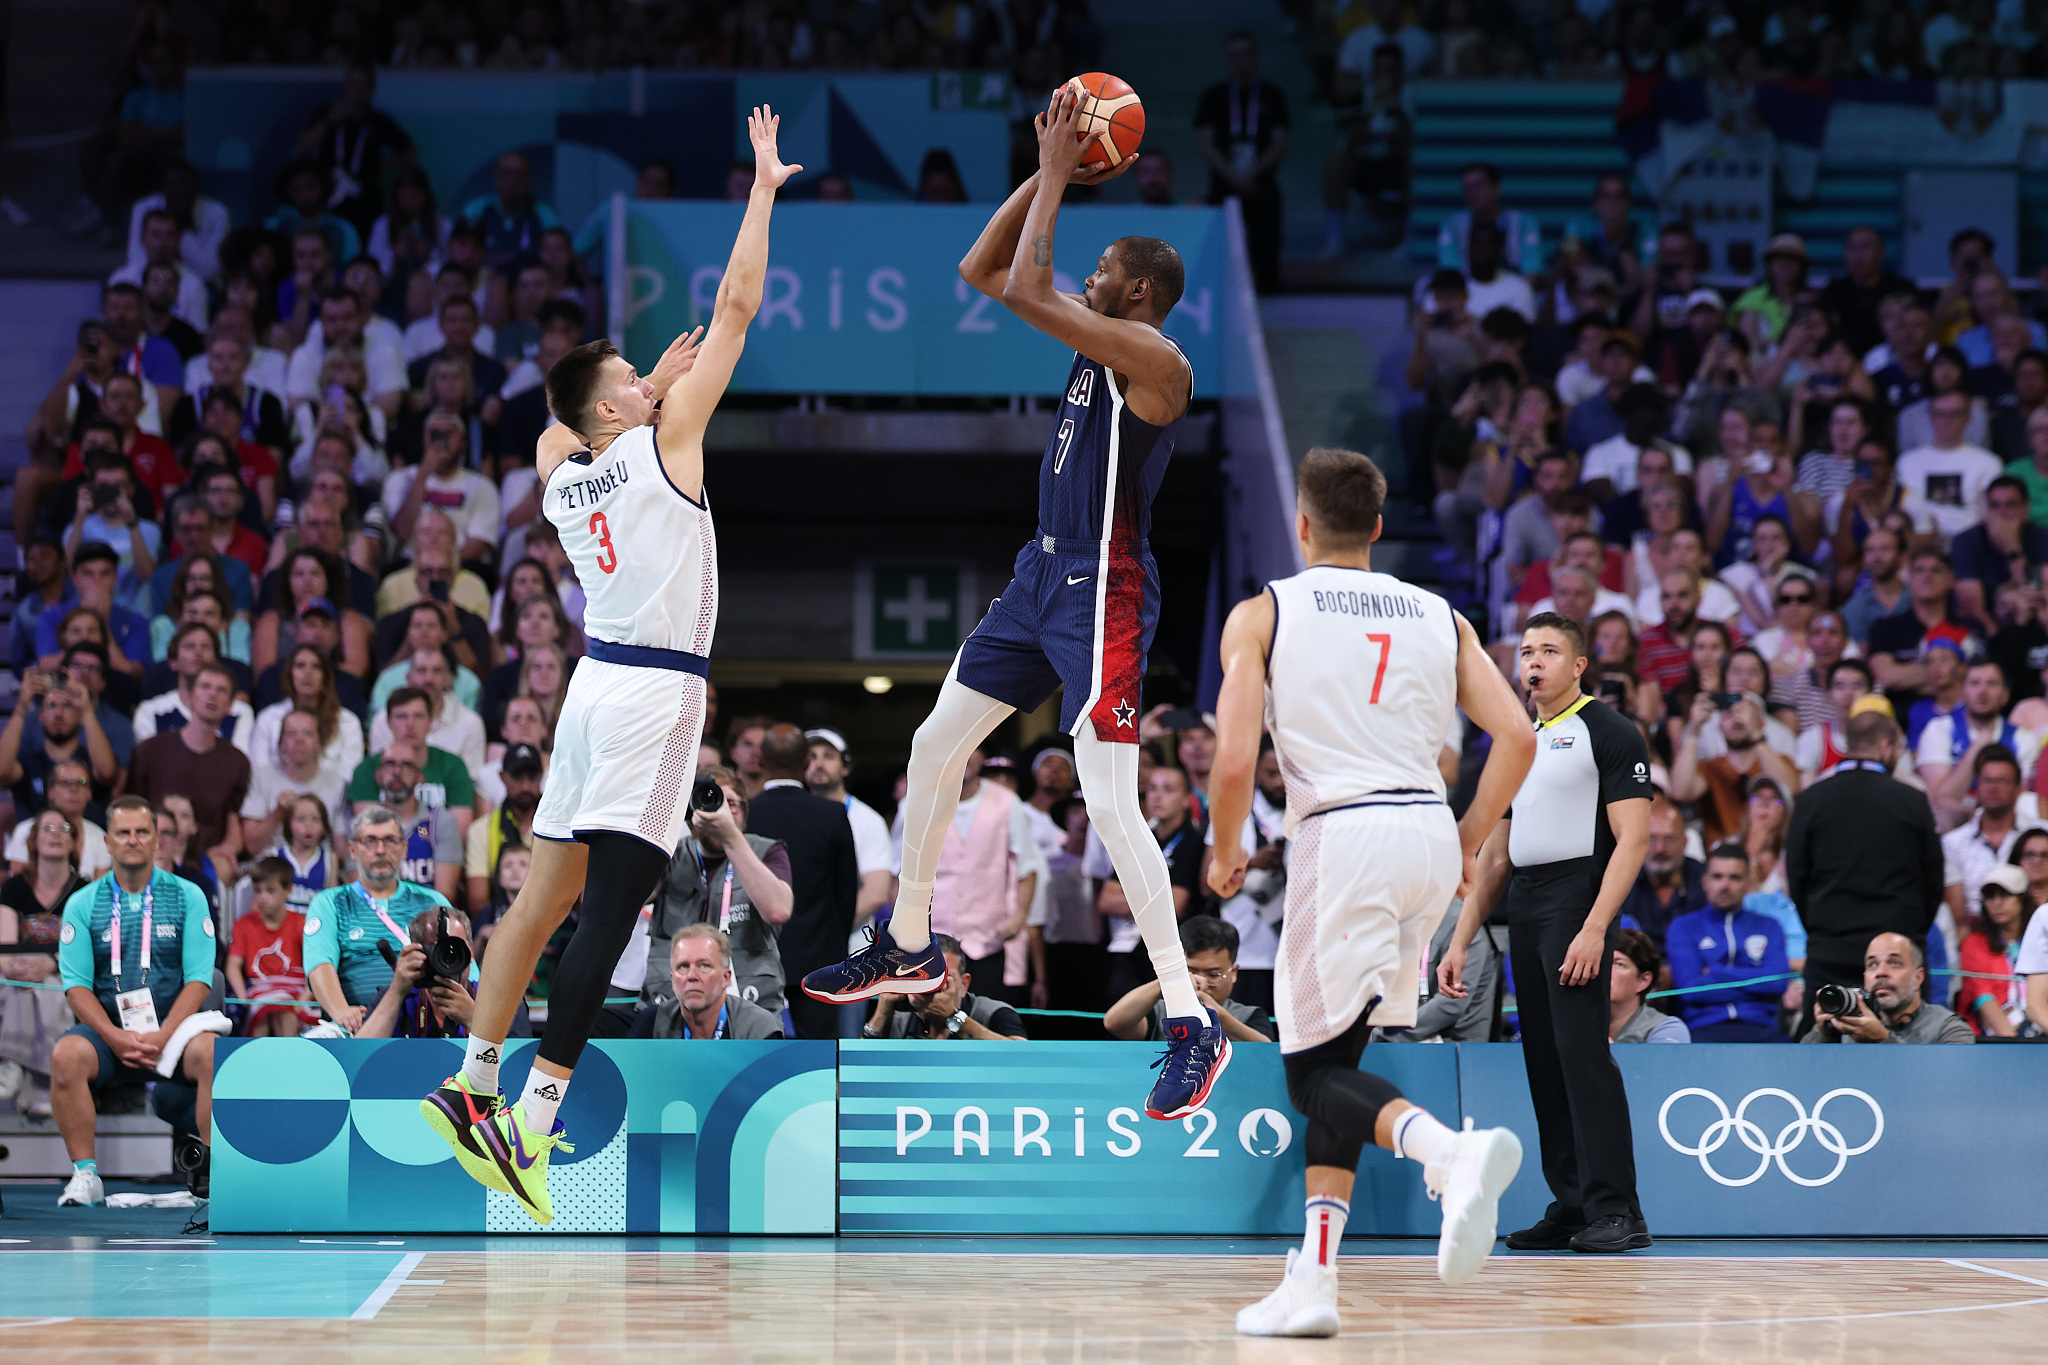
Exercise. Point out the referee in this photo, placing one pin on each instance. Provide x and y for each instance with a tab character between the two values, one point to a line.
1575	850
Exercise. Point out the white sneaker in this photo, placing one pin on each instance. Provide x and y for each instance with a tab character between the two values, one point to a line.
1470	1184
1305	1305
12	1078
85	1188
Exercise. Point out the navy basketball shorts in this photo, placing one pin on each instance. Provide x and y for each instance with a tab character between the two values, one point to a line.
1079	613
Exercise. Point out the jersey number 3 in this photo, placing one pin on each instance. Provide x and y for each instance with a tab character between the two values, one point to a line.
1386	644
608	560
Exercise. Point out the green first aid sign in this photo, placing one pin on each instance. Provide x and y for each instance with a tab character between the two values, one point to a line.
912	611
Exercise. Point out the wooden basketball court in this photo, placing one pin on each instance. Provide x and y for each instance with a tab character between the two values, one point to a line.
884	1301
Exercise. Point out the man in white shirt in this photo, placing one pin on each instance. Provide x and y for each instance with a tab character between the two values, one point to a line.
827	765
198	245
364	278
450	724
298	770
523	723
192	648
160	243
1576	592
1986	839
1489	284
342	319
1612	462
464	496
264	367
1718	601
1951	745
1949	474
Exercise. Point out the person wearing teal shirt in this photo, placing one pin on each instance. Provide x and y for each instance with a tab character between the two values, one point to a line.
140	937
345	924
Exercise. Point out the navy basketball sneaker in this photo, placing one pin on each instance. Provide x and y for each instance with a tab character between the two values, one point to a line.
1196	1053
881	968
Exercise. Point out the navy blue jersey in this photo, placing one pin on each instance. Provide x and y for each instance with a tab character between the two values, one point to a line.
1103	464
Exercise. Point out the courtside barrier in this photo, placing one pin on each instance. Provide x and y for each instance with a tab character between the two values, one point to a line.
1046	1137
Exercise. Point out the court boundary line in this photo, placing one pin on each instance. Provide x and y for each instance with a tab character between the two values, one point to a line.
32	1322
381	1295
1988	1270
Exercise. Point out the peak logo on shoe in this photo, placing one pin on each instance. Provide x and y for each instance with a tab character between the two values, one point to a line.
548	1092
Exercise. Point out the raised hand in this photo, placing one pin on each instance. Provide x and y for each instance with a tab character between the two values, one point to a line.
1059	135
675	362
762	125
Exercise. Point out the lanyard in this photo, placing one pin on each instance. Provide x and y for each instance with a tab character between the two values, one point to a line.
371	901
716	1033
1868	765
725	891
1174	842
148	926
1244	119
1565	714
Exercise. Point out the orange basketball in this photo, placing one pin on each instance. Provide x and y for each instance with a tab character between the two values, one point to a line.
1112	118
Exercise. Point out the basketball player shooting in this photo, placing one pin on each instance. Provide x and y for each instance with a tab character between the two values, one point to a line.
1357	674
1082	606
622	479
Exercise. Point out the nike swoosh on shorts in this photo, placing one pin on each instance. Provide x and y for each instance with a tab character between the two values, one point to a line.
1082	579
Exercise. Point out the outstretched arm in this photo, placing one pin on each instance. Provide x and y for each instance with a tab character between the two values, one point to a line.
1129	348
986	265
691	399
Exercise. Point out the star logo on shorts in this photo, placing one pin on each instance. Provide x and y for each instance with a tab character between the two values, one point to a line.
1125	713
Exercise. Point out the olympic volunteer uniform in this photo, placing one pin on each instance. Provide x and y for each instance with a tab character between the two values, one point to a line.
345	924
1084	601
1362	684
626	744
112	942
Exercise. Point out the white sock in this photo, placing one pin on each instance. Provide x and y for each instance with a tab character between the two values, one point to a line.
543	1096
1420	1137
910	923
480	1064
1327	1215
1109	776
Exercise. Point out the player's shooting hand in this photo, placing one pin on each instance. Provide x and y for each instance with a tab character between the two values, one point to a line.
1226	869
675	362
768	168
1059	135
1582	959
1095	172
1450	974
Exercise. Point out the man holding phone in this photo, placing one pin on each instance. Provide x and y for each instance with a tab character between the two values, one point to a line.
1723	779
105	511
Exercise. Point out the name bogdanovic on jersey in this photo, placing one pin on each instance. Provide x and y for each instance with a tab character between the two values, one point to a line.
1362	688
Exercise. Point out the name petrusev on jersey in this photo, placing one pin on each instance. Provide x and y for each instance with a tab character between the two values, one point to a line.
1367	604
587	492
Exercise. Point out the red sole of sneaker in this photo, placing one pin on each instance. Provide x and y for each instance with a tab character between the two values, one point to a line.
1201	1096
920	986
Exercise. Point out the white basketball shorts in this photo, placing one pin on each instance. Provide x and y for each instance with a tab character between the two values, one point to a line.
1366	886
625	754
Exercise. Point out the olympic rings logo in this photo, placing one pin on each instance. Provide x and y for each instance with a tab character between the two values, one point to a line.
1752	1135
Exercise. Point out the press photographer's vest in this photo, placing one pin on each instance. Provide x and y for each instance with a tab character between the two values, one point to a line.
685	898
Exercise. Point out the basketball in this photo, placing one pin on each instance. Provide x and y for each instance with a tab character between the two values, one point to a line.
1112	118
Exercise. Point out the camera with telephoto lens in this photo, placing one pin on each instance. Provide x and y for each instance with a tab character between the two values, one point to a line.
705	794
1840	1001
447	956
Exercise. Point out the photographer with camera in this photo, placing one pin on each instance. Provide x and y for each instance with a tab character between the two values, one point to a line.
1888	1009
733	881
433	982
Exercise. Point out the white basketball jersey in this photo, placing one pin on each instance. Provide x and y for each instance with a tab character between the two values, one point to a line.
1361	688
645	555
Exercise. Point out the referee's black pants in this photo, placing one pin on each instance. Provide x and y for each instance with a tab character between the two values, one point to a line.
1582	1121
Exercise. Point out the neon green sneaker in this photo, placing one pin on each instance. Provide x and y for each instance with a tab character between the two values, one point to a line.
459	1114
521	1156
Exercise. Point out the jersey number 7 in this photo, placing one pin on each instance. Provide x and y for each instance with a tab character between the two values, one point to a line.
1386	644
608	560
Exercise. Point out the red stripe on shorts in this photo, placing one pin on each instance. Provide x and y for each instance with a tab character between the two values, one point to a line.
1123	647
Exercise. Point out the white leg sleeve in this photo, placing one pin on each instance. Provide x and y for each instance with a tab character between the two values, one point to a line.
1109	780
959	722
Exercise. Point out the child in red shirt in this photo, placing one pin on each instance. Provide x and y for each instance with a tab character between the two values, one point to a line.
266	956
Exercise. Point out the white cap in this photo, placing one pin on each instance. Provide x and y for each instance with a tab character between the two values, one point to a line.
831	737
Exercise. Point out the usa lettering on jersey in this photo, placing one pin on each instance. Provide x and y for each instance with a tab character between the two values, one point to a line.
580	493
1082	392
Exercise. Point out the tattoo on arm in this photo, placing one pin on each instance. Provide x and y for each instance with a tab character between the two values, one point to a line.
1041	250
